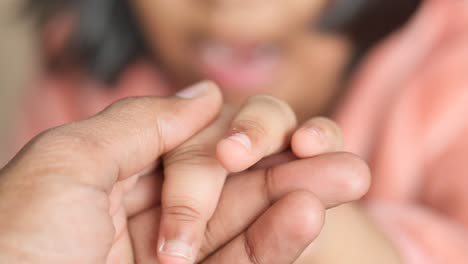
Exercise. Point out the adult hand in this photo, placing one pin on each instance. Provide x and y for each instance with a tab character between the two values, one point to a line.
67	196
62	196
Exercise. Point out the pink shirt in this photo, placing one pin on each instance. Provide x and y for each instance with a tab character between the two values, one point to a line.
407	114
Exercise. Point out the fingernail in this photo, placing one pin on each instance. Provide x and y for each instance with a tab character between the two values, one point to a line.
317	133
177	248
194	90
242	139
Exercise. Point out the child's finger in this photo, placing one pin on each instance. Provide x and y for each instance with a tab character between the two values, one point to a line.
263	127
194	177
317	136
193	180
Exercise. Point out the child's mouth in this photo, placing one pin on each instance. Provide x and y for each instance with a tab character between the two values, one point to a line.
239	66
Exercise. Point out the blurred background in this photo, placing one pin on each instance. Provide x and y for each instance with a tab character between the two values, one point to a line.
107	46
16	60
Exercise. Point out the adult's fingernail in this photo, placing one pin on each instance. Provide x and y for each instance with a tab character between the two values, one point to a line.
194	90
177	248
242	139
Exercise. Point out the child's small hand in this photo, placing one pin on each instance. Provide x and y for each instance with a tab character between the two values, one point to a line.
195	172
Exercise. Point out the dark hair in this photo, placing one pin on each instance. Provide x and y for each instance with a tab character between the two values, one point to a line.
106	38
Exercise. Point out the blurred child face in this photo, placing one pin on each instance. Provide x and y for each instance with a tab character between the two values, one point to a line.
248	47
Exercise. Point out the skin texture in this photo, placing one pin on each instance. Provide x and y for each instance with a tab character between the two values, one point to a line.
175	28
101	204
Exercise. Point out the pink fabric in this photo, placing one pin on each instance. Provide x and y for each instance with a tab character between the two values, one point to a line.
55	101
407	113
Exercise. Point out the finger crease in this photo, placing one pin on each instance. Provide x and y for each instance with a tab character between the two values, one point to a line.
249	250
268	185
160	136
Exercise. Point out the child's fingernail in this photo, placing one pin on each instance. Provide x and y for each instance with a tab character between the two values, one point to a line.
177	248
194	90
316	132
242	139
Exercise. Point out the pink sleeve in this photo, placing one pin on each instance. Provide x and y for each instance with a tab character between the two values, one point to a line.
46	104
407	114
54	100
421	235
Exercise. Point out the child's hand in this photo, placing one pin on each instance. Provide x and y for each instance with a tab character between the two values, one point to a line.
195	172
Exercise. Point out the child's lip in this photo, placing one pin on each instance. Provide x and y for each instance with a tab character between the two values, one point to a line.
238	66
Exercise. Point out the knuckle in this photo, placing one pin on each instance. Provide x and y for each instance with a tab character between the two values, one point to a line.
250	251
136	110
132	102
210	240
311	214
269	100
253	126
191	154
269	184
128	108
123	107
183	212
274	104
